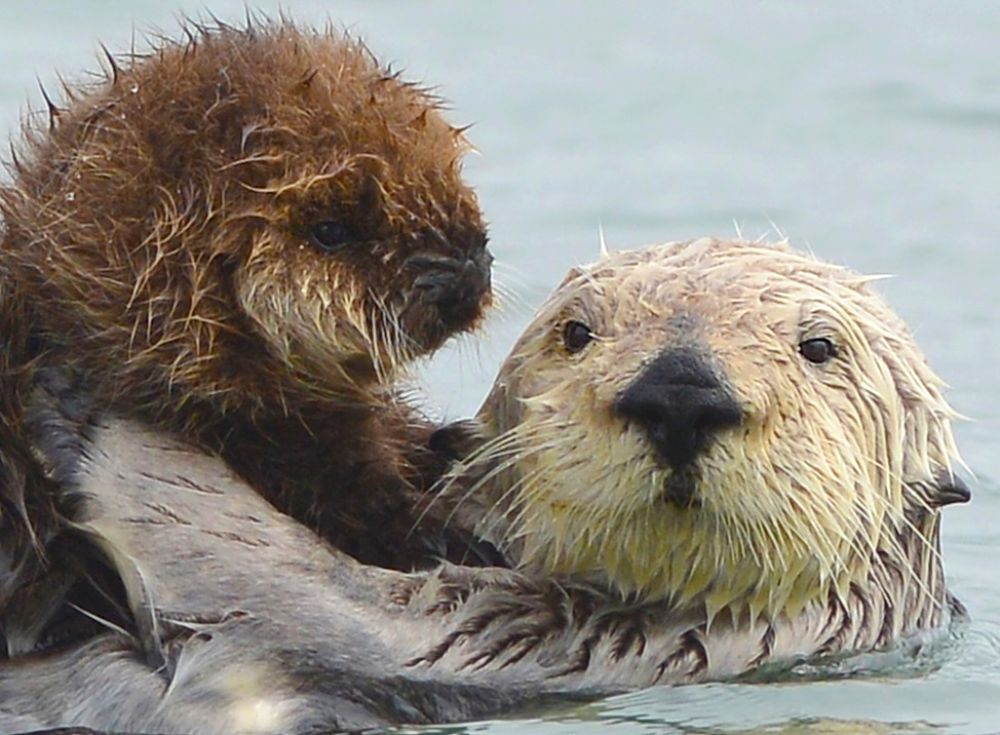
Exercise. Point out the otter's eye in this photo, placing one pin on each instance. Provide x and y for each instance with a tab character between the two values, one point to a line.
576	336
330	235
818	350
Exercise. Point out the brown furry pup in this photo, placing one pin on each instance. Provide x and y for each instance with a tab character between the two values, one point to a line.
241	238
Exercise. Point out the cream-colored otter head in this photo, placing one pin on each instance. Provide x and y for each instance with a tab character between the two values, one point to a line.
727	424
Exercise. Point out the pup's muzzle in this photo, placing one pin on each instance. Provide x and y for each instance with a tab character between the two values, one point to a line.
457	287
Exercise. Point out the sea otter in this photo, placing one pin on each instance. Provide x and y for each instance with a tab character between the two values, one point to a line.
729	427
242	238
672	430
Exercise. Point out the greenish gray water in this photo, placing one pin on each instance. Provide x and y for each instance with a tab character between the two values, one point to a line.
868	132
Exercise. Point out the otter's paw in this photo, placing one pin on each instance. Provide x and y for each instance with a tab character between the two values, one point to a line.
445	589
405	590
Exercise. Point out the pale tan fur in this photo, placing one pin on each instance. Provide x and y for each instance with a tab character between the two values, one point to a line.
826	478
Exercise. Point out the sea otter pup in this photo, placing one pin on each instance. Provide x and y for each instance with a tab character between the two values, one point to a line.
704	457
242	238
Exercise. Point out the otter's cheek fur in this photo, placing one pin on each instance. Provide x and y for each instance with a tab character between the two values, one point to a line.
315	321
822	482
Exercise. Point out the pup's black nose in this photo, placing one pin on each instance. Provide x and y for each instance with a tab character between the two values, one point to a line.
681	404
455	285
454	280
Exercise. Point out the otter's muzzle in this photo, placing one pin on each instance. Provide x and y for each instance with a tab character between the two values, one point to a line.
456	286
681	404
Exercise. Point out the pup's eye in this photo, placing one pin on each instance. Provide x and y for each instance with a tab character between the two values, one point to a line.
576	336
818	350
330	235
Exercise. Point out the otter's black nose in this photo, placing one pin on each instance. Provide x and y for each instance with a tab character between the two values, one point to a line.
681	404
452	282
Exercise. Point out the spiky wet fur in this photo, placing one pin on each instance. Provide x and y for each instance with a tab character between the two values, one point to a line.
828	490
155	246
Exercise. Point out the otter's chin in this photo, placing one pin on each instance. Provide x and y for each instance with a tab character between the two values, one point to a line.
680	488
431	315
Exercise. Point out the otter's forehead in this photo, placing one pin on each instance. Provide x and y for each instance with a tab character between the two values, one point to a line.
681	273
708	280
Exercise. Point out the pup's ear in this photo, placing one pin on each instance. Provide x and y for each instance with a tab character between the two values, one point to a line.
457	440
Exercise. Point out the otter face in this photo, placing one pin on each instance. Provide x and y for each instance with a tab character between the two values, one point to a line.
359	285
368	248
250	212
725	424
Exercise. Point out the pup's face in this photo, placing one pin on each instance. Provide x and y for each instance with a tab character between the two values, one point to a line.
365	246
252	204
725	424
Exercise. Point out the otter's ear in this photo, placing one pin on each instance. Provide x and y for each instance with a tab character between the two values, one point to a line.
948	489
575	273
457	440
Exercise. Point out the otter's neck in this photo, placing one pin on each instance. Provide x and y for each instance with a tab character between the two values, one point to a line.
585	635
903	593
888	590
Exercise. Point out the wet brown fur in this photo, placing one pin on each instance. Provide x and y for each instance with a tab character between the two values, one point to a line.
156	246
